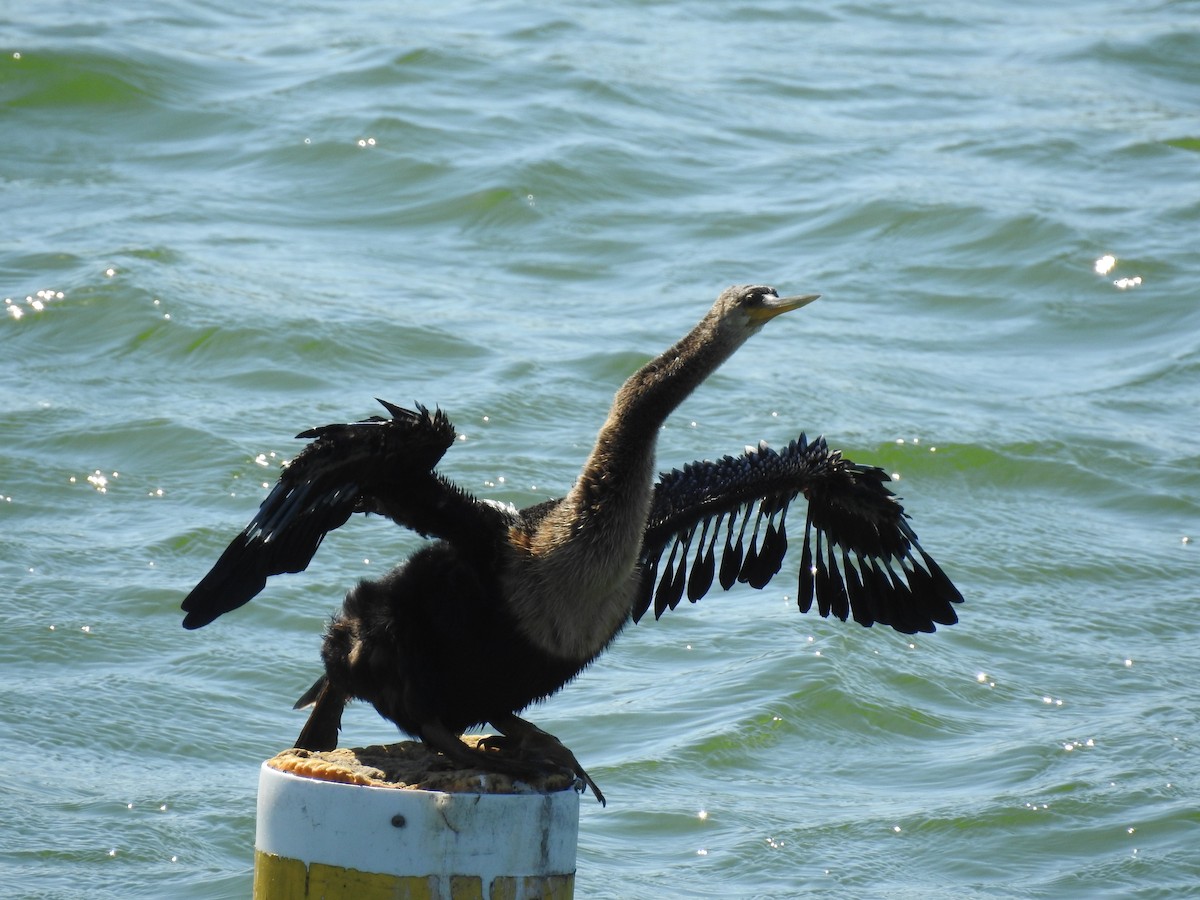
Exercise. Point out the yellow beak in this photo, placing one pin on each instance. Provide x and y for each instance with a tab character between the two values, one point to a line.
774	307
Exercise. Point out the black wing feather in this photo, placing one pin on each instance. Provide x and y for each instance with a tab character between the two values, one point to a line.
860	557
703	568
345	469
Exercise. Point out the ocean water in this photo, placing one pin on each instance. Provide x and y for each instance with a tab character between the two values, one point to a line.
224	223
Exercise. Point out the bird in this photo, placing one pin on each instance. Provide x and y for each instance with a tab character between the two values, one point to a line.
502	607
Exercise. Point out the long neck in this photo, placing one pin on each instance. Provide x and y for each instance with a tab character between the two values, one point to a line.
619	469
654	391
572	585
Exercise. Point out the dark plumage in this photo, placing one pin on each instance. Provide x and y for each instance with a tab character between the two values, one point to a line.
506	606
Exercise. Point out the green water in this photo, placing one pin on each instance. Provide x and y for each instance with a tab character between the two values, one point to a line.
224	224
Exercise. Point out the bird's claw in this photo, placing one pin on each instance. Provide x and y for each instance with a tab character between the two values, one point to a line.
530	745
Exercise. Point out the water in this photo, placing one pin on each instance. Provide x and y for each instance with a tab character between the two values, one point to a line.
226	223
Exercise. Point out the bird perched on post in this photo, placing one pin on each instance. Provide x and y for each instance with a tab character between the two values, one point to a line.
504	606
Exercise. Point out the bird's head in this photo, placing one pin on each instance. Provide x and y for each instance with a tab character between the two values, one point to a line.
745	308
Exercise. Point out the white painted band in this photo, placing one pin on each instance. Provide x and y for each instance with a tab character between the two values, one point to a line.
402	832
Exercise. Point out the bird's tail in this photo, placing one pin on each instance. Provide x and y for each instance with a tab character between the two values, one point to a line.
320	732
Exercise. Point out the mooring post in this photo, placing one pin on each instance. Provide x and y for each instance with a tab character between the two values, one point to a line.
346	824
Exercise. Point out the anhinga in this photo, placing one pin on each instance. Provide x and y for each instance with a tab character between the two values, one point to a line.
506	606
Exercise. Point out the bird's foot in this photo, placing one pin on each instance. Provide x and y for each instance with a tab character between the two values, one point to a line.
527	742
523	751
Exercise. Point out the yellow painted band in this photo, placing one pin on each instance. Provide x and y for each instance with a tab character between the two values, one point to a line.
279	878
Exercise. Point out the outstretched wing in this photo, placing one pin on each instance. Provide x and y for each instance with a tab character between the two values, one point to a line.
860	557
382	464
